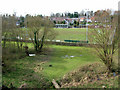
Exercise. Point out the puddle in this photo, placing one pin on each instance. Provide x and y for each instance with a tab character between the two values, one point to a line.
66	56
72	56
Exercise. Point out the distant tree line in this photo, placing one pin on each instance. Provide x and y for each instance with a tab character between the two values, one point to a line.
73	15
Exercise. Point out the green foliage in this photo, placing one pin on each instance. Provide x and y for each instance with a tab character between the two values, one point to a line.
63	22
21	21
71	15
71	24
58	22
62	15
75	15
54	22
75	21
75	25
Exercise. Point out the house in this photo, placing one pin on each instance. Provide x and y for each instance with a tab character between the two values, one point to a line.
89	20
69	22
57	19
82	19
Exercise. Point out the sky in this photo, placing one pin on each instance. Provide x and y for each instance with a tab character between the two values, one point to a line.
46	7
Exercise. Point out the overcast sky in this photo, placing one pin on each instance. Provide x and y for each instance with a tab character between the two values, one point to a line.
46	7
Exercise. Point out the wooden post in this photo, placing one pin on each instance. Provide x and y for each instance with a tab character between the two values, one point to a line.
26	50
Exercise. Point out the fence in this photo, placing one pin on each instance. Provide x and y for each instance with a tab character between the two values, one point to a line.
76	41
58	43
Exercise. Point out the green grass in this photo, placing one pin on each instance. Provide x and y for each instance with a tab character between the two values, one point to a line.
71	34
62	65
28	71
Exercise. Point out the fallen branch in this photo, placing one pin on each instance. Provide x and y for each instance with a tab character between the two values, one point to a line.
55	84
23	85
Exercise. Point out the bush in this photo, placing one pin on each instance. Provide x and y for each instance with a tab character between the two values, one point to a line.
85	75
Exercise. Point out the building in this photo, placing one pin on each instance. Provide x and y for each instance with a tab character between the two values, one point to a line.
69	22
61	25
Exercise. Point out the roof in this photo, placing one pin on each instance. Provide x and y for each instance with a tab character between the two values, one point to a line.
82	18
92	18
58	19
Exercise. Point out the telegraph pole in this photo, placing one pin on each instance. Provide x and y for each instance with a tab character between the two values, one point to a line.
87	25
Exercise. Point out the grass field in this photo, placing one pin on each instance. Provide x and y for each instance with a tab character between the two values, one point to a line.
55	62
28	70
63	63
71	34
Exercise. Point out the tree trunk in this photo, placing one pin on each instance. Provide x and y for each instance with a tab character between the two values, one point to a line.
36	47
4	43
42	42
18	43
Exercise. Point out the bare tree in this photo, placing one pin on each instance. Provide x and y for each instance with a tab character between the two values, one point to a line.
11	31
105	37
7	24
39	29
